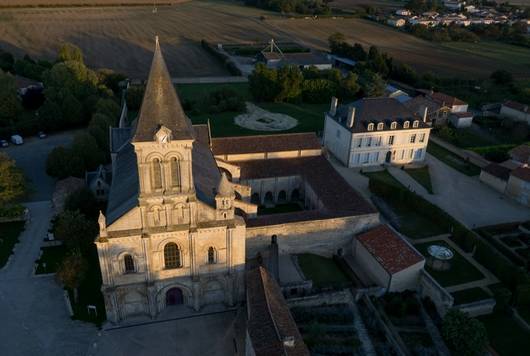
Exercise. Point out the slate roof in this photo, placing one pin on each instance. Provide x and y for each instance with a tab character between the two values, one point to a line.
337	196
265	143
118	137
161	105
376	110
269	320
389	249
417	103
520	153
522	173
497	170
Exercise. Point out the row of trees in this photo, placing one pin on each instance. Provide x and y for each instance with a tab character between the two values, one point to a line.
290	84
12	184
310	7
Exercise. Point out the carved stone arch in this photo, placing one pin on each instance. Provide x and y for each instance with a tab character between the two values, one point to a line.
161	294
184	257
121	260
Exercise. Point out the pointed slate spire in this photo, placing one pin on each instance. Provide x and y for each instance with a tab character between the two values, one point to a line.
161	105
225	188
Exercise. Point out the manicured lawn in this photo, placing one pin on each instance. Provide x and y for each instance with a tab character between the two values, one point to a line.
452	160
414	224
324	272
50	259
280	208
9	233
422	176
310	116
505	335
461	270
470	295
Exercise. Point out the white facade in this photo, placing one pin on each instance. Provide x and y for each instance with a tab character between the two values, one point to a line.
461	122
371	148
518	189
515	114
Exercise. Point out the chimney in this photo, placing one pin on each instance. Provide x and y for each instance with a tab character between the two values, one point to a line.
350	119
424	113
333	107
288	341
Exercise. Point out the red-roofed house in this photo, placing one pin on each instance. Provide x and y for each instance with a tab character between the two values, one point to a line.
388	259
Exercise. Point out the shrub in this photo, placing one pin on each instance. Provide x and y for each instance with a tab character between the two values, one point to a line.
464	335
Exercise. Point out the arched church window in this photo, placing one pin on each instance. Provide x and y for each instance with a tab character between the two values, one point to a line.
172	255
128	262
157	173
175	172
211	255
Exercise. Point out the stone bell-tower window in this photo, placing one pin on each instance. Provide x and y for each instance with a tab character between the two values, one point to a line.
128	263
211	255
175	172
171	255
156	168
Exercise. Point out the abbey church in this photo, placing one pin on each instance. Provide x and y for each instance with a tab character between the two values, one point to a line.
182	219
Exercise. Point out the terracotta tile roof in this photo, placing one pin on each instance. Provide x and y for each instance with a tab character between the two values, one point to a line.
265	143
497	170
521	173
270	322
517	106
337	196
389	249
520	153
444	99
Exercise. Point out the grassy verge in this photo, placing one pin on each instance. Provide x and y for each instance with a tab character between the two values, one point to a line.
324	272
9	233
461	270
413	222
422	176
452	160
505	335
50	259
470	295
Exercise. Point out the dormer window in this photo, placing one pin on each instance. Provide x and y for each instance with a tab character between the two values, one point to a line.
393	125
416	124
370	127
406	124
380	126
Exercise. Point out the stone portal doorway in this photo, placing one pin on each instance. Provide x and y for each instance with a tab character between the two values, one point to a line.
388	157
174	297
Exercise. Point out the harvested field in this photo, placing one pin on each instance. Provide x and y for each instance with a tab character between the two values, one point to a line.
121	38
52	3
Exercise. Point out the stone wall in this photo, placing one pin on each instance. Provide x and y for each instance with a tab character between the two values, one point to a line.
323	237
481	307
338	297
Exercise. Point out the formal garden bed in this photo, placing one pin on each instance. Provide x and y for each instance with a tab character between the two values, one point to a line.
461	270
422	176
416	217
9	234
452	160
509	240
324	272
470	295
50	259
328	330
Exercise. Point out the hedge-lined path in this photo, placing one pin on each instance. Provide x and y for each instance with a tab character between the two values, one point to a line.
465	198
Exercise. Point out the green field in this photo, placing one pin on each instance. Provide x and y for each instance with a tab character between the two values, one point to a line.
461	270
452	160
505	53
310	116
324	272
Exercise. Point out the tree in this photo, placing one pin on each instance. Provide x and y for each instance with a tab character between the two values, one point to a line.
108	107
51	115
10	106
86	147
84	201
12	183
372	84
349	85
75	231
99	129
7	61
135	95
72	110
336	42
263	83
70	52
501	77
62	163
290	83
464	335
72	271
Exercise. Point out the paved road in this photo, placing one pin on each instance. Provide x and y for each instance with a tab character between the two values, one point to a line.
465	198
31	158
33	314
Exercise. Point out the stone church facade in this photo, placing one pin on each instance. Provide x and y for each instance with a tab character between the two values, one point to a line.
182	216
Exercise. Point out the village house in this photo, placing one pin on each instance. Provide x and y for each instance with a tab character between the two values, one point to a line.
461	120
396	22
518	185
99	182
516	111
436	114
403	12
375	131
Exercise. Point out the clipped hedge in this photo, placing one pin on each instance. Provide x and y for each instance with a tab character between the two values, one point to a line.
223	58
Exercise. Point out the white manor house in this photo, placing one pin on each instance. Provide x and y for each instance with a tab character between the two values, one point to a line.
375	131
182	225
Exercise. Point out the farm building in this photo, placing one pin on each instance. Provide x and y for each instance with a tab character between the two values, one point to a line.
496	176
518	185
461	120
516	111
302	60
389	260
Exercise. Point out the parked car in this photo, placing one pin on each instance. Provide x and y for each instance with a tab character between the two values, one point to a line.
17	139
41	134
4	143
